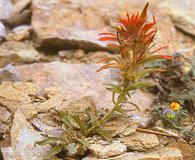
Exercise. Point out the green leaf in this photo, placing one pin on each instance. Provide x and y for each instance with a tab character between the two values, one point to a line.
55	150
51	140
146	71
106	134
122	98
114	88
80	123
91	116
138	85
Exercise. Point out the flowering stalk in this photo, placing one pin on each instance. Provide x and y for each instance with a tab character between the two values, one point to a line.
134	41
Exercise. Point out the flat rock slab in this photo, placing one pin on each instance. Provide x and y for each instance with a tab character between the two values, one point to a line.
62	24
77	81
162	154
13	52
23	138
73	23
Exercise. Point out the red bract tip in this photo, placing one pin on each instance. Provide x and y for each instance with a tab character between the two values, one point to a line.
107	39
166	57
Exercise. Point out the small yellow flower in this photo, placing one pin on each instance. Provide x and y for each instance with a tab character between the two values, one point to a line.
174	106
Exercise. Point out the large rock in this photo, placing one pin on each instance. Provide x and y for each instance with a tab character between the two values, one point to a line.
6	9
182	14
162	154
61	24
77	81
140	141
17	52
188	151
104	149
14	95
23	138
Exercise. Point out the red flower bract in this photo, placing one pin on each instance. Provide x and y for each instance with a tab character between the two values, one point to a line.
134	40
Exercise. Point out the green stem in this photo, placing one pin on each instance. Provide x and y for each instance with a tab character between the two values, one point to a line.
109	114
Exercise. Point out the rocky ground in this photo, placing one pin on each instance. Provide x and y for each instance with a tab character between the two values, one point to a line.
48	51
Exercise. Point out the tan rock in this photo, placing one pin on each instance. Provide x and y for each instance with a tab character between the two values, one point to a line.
52	91
19	33
79	54
78	106
17	52
27	87
53	102
5	119
103	149
66	24
162	154
188	151
181	13
140	141
12	97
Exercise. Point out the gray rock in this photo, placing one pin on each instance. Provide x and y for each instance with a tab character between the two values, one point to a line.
182	14
23	137
6	9
2	30
20	33
9	73
17	52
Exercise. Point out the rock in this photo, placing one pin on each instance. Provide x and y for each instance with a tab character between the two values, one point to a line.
5	120
65	54
181	13
29	110
121	127
53	102
78	81
17	52
79	54
6	9
20	33
162	154
103	149
23	137
71	23
47	124
12	97
2	30
78	106
188	151
52	91
9	73
20	5
140	141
